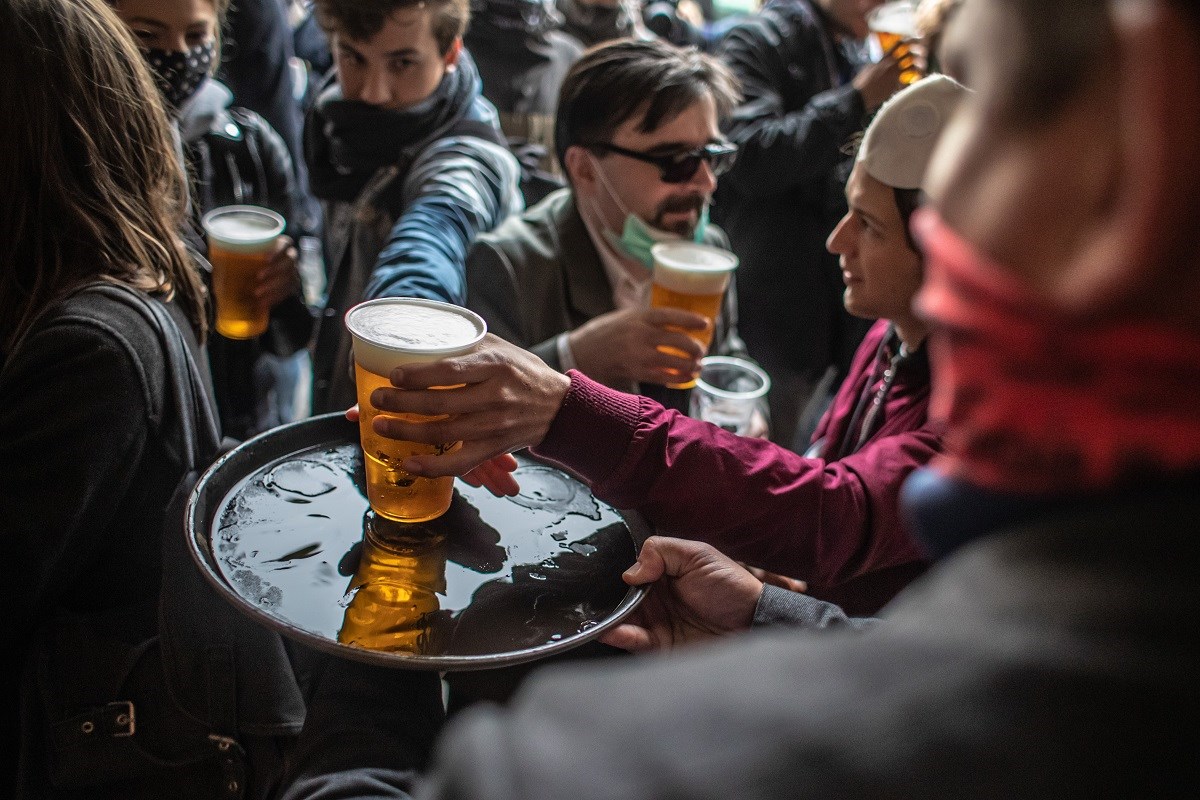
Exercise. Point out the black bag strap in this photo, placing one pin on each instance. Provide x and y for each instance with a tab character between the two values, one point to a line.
199	434
200	442
103	743
228	671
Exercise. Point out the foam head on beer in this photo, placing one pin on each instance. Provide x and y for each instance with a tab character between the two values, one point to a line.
391	331
897	18
693	269
243	228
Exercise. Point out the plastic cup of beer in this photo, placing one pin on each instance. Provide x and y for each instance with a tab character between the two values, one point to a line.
240	242
892	23
388	333
728	392
692	277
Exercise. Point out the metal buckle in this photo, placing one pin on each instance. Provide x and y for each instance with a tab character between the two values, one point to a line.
122	715
223	743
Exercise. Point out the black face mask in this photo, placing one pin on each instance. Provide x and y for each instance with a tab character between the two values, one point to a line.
595	24
179	75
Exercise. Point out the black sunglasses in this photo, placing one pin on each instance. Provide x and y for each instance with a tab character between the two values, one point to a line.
680	167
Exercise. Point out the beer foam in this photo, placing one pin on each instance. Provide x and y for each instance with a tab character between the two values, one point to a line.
689	268
896	18
243	228
393	331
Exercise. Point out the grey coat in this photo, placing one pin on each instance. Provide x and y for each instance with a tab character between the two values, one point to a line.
1049	660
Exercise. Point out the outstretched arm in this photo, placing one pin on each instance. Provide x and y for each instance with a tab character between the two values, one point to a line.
457	189
823	521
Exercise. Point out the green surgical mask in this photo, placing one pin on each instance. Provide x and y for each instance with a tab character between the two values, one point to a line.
638	237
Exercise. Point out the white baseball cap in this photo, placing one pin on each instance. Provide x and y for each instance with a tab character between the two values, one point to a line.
897	146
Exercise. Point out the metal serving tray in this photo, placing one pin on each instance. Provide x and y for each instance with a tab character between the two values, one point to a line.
277	527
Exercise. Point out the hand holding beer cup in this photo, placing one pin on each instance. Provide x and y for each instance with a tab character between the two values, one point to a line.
639	345
495	474
390	333
507	400
242	244
691	277
879	81
894	26
279	278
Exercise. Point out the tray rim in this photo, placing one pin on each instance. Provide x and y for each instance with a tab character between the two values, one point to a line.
199	543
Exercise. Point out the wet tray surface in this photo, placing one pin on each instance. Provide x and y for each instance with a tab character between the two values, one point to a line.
281	527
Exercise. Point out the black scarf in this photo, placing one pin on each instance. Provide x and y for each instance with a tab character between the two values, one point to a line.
347	142
595	24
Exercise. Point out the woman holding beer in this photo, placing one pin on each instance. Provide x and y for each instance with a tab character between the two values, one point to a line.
234	157
90	439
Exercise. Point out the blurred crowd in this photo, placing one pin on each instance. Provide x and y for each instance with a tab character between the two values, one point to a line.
951	555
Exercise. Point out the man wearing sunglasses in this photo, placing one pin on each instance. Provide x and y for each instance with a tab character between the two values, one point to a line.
637	134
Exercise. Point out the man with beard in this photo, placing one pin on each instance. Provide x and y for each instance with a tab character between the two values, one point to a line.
408	160
637	133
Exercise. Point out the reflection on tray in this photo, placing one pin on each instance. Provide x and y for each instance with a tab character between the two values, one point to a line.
395	591
296	540
394	600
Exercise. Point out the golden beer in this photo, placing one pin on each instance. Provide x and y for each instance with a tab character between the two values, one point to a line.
892	23
390	333
240	241
394	591
691	277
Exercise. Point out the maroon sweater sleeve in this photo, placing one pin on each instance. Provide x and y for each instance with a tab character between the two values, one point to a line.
825	522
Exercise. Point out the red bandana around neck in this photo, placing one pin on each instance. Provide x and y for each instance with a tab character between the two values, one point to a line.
1037	401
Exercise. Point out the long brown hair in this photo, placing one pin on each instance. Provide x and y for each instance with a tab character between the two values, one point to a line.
90	183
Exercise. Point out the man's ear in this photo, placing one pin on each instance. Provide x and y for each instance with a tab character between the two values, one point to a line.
580	167
1151	241
450	59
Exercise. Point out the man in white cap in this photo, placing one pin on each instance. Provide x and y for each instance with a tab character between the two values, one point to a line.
808	89
877	429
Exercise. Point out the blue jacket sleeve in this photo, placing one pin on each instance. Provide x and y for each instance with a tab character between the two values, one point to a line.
457	188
